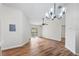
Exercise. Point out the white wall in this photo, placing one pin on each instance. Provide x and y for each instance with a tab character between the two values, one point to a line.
63	27
72	27
26	29
77	28
53	29
0	33
8	16
63	31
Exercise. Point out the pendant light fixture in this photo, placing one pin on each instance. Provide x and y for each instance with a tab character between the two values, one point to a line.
55	12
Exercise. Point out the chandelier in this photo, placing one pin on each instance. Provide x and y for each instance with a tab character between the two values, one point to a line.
55	12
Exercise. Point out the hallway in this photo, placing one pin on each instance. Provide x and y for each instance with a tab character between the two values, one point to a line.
40	47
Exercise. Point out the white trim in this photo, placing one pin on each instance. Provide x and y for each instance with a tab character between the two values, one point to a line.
70	49
20	45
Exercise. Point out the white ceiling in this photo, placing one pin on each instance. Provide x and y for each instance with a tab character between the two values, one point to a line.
34	11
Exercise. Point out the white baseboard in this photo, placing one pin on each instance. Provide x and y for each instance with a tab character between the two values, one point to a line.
52	38
20	45
70	49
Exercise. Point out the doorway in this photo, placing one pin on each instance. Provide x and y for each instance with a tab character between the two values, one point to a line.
36	31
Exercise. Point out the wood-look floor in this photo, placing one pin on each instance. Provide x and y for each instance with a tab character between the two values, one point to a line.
40	47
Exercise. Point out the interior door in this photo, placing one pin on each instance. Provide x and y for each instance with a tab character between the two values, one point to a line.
34	32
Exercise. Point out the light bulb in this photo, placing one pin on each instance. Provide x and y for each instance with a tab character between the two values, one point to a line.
63	9
47	15
51	10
